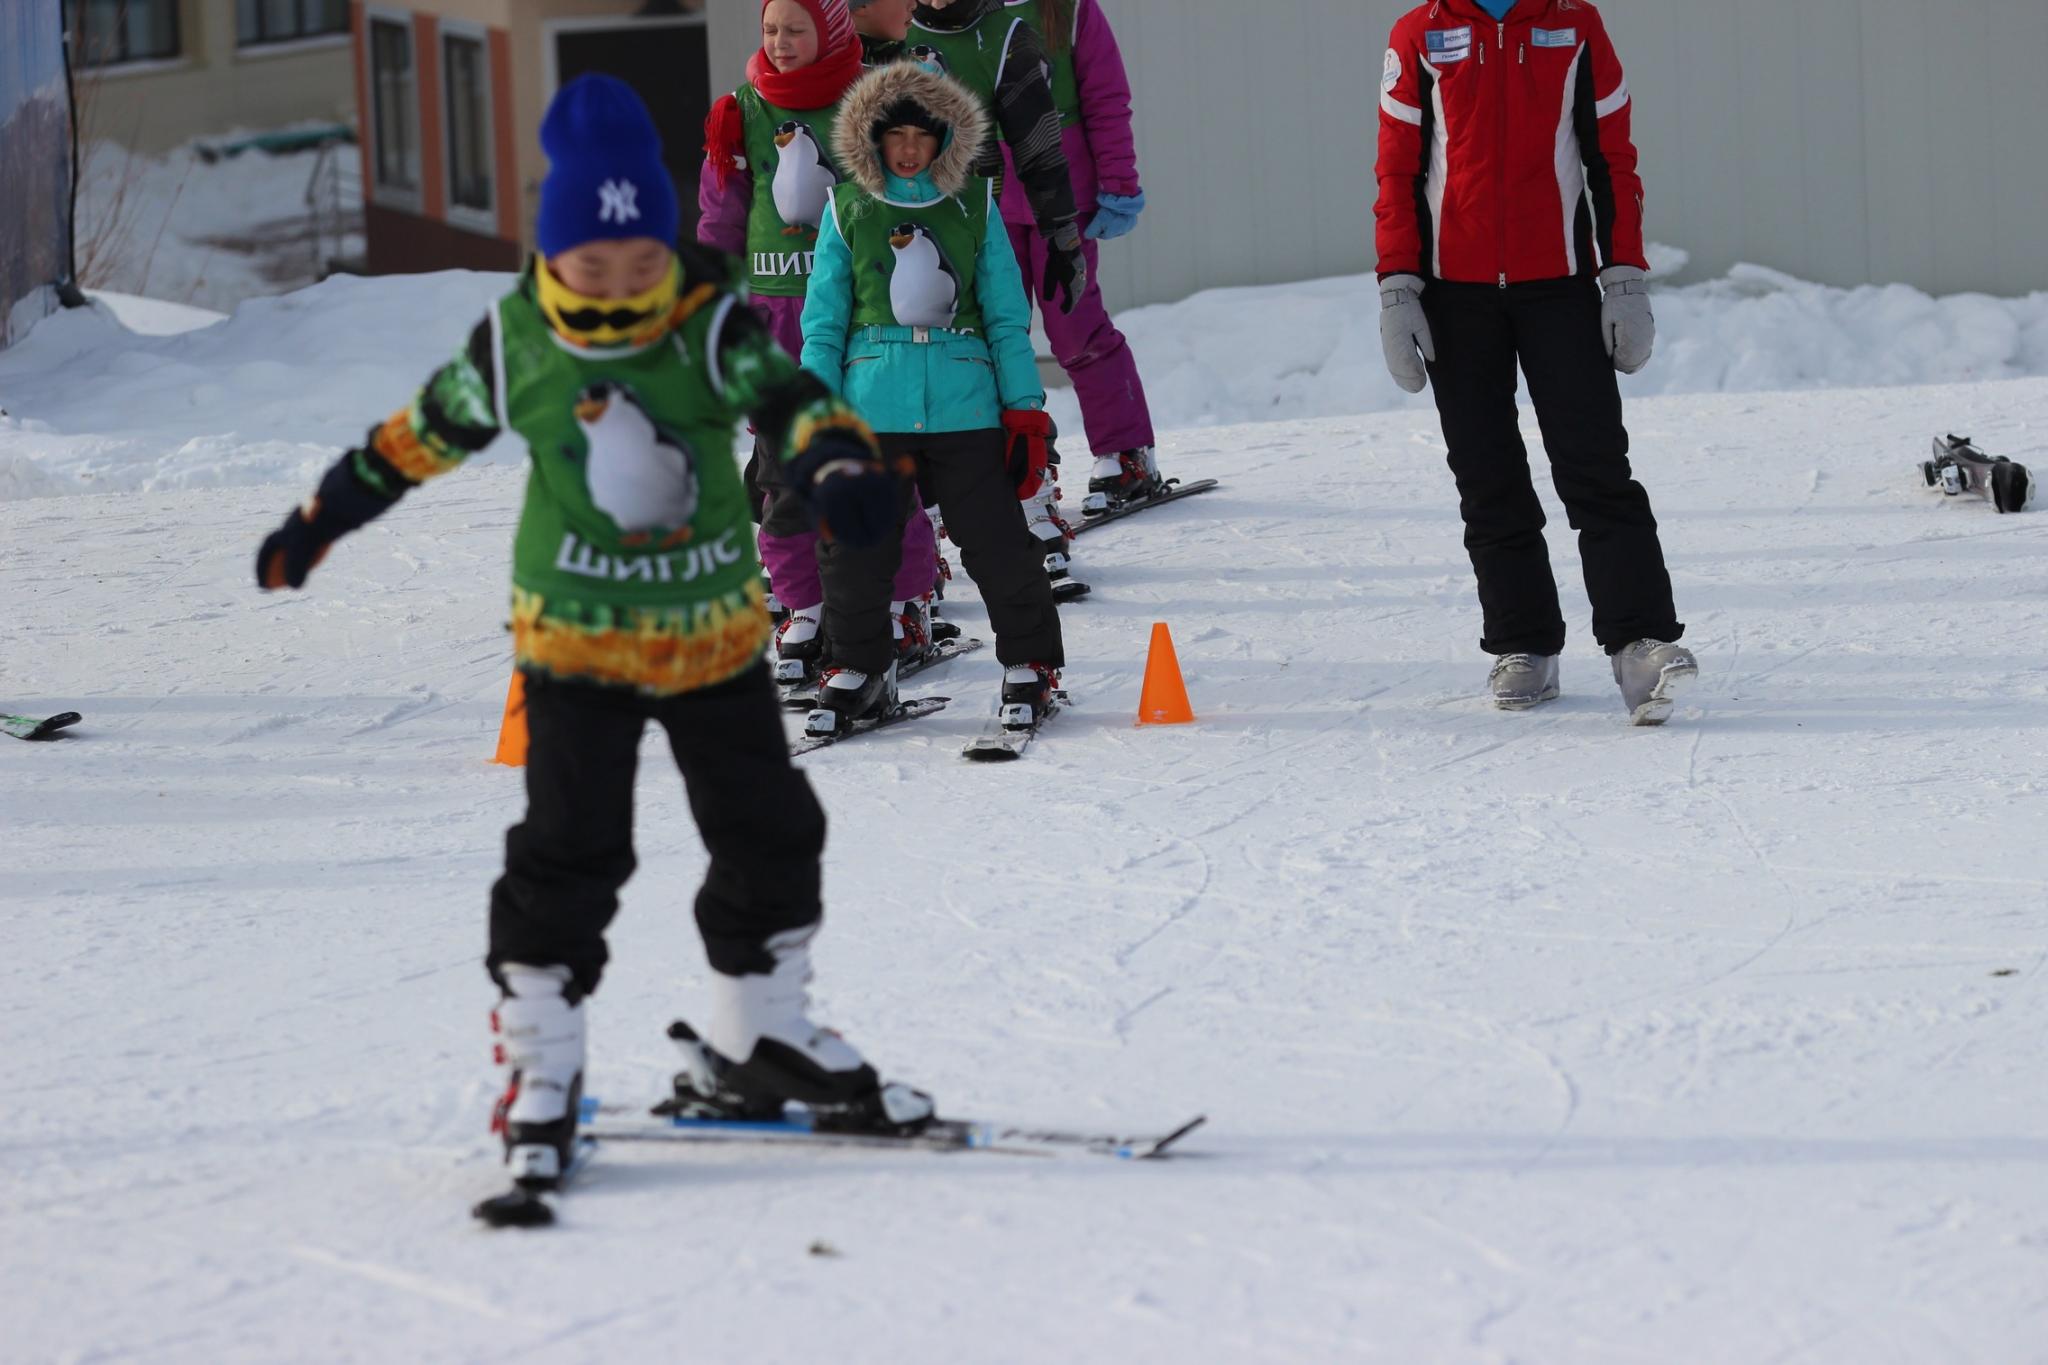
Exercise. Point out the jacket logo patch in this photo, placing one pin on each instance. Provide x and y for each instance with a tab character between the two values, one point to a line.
1448	44
1554	37
1390	73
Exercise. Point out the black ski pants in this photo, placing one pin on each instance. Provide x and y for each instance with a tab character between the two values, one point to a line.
565	862
1553	328
963	473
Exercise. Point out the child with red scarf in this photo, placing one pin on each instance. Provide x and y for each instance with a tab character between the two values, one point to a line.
768	173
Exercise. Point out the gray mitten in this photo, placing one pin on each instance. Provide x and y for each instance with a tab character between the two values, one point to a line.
1404	331
1626	327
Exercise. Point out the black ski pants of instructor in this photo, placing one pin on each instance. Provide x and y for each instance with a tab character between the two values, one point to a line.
1553	328
565	862
962	471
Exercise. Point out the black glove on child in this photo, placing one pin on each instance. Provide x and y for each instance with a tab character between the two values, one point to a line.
342	504
853	497
1028	449
1066	270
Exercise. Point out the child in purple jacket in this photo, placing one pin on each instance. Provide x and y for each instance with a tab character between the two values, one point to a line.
768	170
1094	99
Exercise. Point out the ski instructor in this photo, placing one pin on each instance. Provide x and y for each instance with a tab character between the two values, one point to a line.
1507	188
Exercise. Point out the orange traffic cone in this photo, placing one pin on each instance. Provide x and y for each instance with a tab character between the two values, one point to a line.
1164	700
512	730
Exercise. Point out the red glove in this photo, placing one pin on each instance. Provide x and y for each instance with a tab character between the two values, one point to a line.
1028	449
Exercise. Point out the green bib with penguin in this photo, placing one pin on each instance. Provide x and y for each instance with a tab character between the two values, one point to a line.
789	154
634	501
914	264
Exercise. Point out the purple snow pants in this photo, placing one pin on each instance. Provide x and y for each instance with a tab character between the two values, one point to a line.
790	554
1091	350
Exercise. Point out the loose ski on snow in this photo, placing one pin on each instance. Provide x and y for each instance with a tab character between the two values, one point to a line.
32	727
803	696
1959	467
619	1123
1003	739
1174	491
909	710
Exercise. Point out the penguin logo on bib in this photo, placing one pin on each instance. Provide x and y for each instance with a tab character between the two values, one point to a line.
923	290
642	477
804	177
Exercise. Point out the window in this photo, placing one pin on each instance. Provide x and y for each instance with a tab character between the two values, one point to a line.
466	91
395	145
109	32
282	21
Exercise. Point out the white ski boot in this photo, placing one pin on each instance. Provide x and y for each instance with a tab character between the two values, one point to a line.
540	1039
847	695
761	1050
1055	538
798	645
1126	476
1651	674
1520	681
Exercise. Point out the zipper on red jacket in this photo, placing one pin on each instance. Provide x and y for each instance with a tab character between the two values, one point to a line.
1500	161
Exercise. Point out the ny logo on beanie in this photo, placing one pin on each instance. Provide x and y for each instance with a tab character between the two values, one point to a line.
616	201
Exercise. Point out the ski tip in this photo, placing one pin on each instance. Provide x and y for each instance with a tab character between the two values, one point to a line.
1157	1148
516	1208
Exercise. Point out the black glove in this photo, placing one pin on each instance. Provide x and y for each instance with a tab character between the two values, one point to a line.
853	497
343	504
1066	270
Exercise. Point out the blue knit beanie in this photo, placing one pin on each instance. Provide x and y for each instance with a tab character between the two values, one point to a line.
605	178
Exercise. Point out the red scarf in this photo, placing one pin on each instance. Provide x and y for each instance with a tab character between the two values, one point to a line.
818	86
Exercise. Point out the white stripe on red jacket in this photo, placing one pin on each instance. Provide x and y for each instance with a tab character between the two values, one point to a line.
1504	150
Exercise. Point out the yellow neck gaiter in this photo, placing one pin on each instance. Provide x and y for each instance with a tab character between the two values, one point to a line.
636	321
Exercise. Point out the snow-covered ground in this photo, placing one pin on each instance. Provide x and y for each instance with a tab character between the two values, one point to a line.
1524	1038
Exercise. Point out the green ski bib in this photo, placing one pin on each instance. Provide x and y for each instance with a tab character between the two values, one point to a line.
789	154
914	264
634	561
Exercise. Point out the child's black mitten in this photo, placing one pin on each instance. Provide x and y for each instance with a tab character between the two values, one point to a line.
342	504
852	496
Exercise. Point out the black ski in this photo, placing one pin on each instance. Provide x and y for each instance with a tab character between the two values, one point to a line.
1065	590
909	710
1959	467
31	727
1174	491
1002	739
804	696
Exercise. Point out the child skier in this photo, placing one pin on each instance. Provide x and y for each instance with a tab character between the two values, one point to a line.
884	27
999	57
768	169
1093	97
917	315
635	598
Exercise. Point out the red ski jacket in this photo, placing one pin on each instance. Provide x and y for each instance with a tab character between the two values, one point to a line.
1504	146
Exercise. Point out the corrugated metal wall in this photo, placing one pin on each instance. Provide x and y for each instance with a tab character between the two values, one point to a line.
1845	141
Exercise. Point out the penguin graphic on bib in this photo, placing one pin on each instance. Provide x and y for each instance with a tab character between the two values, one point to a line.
923	290
804	177
642	477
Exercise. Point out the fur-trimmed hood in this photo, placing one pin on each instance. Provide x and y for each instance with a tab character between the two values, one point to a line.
948	101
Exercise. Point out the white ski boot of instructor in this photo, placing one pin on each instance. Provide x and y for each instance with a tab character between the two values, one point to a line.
760	1049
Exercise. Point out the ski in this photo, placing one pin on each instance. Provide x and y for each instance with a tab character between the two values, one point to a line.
803	696
1002	739
620	1123
1174	491
524	1204
1959	467
1065	590
909	710
32	727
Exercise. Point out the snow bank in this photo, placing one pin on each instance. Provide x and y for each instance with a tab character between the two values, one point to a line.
1312	349
270	394
266	396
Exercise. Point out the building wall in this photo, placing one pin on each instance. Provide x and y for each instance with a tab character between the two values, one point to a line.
1846	141
212	86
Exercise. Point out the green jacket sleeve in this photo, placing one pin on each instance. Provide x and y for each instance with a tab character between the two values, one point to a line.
1006	316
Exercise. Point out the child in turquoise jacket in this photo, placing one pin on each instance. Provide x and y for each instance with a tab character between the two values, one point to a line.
917	316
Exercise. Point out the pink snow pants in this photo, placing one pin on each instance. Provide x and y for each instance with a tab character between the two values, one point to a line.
1091	350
